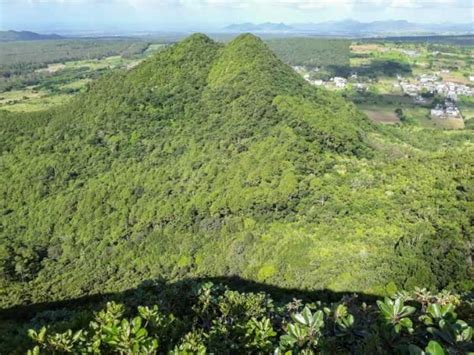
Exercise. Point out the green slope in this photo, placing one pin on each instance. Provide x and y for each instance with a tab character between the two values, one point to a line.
211	160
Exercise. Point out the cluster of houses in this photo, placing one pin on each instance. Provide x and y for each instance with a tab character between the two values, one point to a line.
433	85
337	82
425	83
446	111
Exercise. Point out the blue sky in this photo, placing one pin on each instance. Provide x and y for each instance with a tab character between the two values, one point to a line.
173	15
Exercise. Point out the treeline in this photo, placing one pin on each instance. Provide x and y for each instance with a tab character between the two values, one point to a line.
462	40
54	51
312	52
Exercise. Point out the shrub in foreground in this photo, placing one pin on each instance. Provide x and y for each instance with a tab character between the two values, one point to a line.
220	320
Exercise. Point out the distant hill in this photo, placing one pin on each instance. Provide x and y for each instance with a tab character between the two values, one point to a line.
351	27
355	28
263	27
7	36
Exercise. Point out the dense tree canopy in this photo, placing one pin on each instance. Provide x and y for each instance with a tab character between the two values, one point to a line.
312	52
211	160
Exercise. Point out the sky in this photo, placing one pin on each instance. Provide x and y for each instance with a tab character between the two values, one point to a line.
209	15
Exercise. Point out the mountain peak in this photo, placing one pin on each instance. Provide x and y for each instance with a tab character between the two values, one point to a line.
247	61
247	39
196	39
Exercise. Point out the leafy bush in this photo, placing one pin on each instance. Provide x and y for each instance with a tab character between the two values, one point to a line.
224	321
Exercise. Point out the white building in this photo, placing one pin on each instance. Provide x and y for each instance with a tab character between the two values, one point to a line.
425	78
448	111
340	82
410	53
420	100
361	87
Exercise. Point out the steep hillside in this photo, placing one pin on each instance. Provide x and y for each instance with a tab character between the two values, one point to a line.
212	160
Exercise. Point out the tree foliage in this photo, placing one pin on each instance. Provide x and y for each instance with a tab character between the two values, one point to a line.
312	52
219	320
211	160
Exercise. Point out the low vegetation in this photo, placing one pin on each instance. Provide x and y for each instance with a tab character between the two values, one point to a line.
200	318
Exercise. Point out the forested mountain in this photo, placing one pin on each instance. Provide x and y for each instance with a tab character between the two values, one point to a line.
212	160
6	36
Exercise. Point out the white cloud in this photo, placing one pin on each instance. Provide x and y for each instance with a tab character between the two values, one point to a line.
302	4
304	7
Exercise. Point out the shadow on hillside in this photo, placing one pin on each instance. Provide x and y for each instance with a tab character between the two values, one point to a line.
376	68
174	295
386	99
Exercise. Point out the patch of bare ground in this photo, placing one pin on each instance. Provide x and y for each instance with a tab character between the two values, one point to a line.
455	79
364	48
52	68
449	123
382	117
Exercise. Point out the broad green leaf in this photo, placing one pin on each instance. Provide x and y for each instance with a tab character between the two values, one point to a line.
385	309
406	322
434	348
434	310
414	350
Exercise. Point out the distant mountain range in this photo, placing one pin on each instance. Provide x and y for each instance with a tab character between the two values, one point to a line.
263	27
6	36
346	28
354	28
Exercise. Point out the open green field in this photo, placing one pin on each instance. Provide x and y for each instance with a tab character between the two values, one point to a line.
385	113
107	62
381	115
29	100
77	85
381	108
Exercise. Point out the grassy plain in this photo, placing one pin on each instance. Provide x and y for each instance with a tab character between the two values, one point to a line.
379	115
